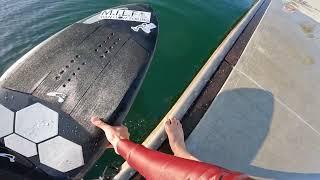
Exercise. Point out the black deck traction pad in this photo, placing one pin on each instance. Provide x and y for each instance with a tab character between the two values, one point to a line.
36	67
68	129
99	67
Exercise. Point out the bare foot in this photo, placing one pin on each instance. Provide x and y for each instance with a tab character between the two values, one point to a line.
175	134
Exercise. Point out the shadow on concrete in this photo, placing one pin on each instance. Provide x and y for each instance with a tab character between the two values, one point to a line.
239	123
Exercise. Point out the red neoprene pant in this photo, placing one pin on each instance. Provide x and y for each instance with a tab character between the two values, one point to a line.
155	165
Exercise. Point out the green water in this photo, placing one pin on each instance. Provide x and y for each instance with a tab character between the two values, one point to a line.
190	31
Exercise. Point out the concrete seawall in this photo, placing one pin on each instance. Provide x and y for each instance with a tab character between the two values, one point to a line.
265	119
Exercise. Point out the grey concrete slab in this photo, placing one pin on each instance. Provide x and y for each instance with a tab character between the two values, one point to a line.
284	59
247	129
264	120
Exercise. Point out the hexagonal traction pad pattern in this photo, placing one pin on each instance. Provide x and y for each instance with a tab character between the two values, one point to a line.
6	121
20	145
61	154
36	122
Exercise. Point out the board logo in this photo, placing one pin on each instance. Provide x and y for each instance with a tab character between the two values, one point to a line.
126	15
9	156
146	27
61	97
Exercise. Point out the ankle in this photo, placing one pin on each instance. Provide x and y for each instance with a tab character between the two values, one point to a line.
178	149
186	155
182	153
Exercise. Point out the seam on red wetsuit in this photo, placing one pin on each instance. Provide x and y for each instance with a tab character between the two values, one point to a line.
210	169
192	174
125	148
128	157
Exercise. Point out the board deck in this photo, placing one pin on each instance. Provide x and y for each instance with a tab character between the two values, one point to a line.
94	67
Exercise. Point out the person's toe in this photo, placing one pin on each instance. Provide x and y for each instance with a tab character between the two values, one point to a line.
174	120
178	123
167	123
175	123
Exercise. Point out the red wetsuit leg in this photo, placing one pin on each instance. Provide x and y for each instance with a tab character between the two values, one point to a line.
156	165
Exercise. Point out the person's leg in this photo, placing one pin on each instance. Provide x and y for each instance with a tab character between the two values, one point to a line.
175	134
